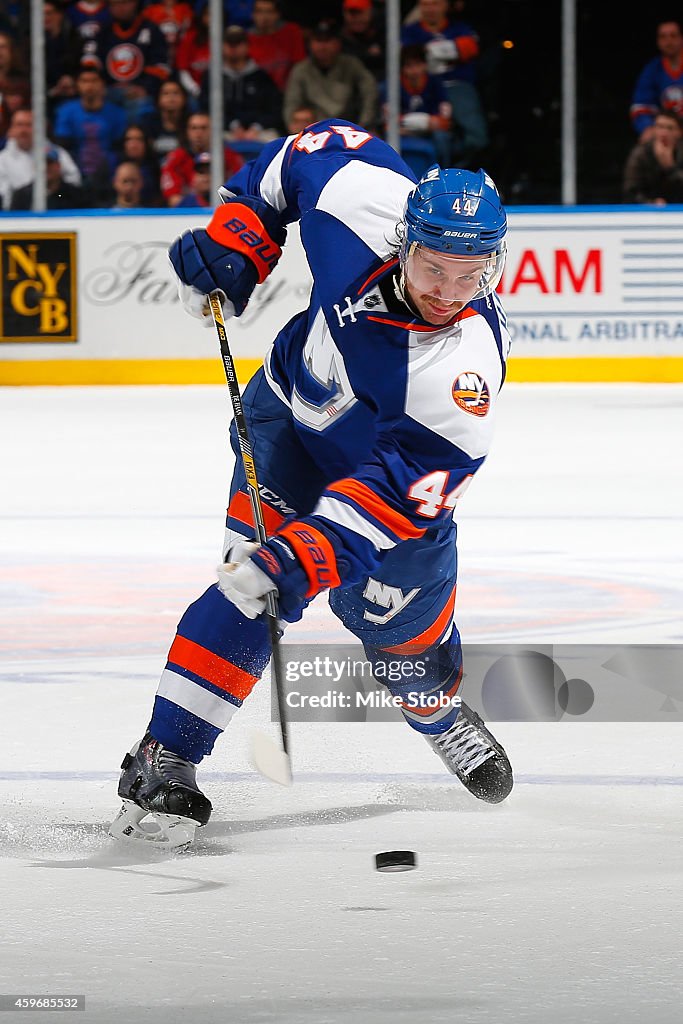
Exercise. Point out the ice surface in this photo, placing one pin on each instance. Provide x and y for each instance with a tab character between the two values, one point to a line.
563	905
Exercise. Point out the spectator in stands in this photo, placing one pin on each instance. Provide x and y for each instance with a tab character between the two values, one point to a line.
659	85
63	48
60	195
201	184
136	147
193	51
362	36
15	86
177	170
299	120
332	83
127	183
424	106
174	19
654	169
165	125
17	168
452	48
12	97
274	44
252	103
133	53
91	128
88	17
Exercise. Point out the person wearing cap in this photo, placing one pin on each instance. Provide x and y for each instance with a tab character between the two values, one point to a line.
274	44
200	196
333	83
177	168
59	194
252	103
17	168
362	36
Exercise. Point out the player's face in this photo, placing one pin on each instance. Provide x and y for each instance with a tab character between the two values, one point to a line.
440	286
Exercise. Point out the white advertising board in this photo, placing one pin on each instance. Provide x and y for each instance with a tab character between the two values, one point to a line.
128	306
605	283
584	284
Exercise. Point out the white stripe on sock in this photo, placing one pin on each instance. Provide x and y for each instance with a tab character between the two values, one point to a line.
193	697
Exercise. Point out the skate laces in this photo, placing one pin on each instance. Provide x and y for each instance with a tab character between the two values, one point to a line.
464	744
175	769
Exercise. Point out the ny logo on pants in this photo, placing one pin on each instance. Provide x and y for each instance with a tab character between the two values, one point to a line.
386	596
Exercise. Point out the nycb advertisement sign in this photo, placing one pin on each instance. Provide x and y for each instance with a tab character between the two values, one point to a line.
39	278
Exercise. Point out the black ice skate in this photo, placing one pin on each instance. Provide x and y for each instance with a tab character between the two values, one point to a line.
159	784
472	753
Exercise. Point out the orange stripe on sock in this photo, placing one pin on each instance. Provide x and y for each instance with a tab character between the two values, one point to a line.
372	503
429	636
240	509
428	712
216	670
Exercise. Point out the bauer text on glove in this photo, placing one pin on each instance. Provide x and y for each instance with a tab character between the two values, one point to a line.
299	562
238	249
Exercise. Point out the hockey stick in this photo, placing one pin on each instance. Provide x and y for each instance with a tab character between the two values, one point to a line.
268	758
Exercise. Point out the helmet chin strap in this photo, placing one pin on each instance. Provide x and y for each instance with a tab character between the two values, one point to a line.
401	291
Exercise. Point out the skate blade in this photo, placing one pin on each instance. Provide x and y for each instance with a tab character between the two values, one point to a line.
270	759
136	826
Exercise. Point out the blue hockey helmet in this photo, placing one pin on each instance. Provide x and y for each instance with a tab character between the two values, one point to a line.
457	213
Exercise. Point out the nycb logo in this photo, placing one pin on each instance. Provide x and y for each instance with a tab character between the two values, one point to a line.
38	287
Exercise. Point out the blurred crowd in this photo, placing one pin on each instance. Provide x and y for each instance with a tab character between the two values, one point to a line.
128	94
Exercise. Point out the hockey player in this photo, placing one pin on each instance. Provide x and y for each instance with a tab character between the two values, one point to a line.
372	412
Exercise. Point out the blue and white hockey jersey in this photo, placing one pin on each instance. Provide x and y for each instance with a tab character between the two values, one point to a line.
397	413
658	87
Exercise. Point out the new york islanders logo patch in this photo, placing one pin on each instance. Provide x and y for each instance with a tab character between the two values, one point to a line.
471	393
125	62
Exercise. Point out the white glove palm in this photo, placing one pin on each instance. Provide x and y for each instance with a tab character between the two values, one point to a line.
196	303
242	582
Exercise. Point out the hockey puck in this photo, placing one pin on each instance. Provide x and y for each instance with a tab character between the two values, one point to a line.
396	860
